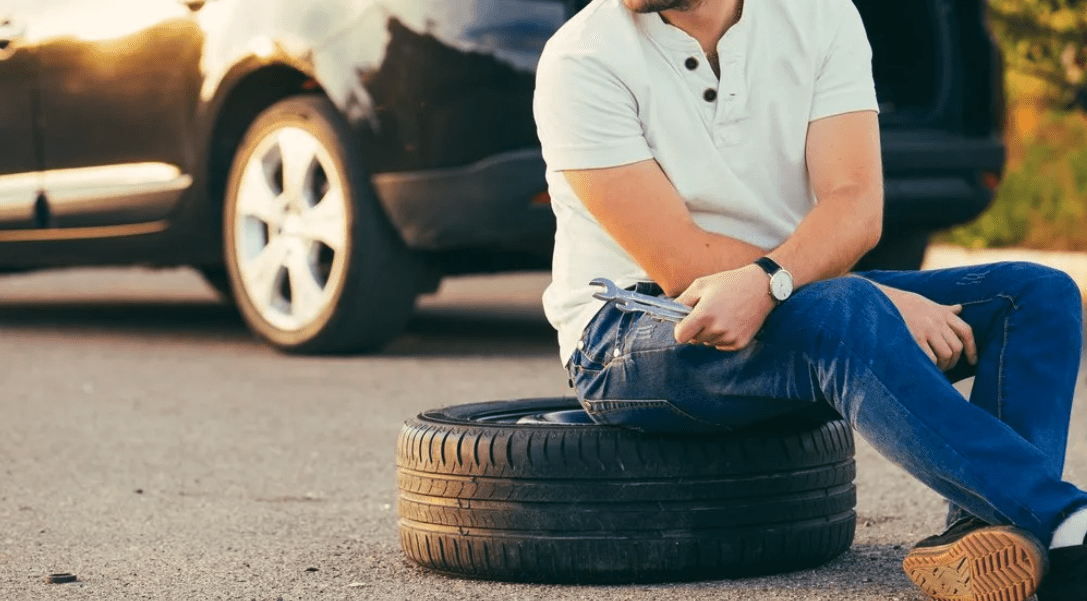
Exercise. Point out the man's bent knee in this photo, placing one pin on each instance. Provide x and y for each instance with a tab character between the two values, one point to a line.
846	309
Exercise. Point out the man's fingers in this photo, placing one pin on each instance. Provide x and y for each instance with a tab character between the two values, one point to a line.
941	349
956	346
691	295
928	350
695	329
690	327
687	330
966	335
711	339
708	336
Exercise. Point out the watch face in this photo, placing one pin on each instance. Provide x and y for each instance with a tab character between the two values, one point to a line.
781	285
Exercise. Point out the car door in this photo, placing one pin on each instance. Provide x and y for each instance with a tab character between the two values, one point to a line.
19	184
119	81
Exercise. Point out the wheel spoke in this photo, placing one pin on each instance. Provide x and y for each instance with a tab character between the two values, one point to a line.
298	150
327	221
256	198
261	273
291	228
307	294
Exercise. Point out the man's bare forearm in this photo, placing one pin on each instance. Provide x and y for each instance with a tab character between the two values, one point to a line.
843	155
641	210
833	237
827	244
698	254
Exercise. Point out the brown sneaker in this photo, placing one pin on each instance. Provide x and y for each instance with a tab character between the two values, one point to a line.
973	561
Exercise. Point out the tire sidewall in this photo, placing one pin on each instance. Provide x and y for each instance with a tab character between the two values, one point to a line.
484	496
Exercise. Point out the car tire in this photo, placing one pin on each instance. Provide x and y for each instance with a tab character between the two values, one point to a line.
218	279
313	261
484	494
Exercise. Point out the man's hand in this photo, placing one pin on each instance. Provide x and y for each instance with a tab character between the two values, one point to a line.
938	329
729	308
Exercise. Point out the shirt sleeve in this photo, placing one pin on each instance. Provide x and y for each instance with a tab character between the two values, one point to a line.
844	83
586	118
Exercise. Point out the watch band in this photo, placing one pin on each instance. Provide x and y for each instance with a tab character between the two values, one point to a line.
768	265
781	281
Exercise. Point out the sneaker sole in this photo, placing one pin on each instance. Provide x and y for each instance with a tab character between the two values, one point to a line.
1000	563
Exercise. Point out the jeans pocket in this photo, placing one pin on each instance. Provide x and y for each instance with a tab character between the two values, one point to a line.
655	415
580	362
603	338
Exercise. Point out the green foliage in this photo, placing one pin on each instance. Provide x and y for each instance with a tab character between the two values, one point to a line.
1042	200
1046	39
1077	164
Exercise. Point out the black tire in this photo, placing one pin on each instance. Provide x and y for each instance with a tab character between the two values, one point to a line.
369	285
217	277
483	496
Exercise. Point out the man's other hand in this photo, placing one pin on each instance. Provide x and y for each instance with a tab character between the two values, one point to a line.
938	329
729	308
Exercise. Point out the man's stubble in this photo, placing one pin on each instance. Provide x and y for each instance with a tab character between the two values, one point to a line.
656	6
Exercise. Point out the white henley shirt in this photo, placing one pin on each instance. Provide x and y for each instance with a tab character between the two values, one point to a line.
615	87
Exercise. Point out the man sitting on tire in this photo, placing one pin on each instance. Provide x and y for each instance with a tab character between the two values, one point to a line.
729	155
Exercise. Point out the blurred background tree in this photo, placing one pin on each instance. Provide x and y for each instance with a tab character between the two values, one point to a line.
1042	199
1044	39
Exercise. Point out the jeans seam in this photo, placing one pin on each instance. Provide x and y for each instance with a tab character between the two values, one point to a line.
1003	350
1010	299
1000	364
658	404
1000	372
612	404
942	438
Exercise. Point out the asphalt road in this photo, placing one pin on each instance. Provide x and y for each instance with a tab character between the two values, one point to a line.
153	448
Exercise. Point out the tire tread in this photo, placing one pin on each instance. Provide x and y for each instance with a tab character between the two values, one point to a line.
597	504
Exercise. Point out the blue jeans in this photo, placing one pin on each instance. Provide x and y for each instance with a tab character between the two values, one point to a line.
842	344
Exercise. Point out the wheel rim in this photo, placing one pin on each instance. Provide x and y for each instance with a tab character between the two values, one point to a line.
542	412
290	228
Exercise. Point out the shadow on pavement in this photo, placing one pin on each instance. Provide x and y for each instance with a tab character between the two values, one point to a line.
864	572
444	332
431	332
199	319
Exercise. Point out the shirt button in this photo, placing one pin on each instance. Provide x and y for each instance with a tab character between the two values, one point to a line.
710	95
691	63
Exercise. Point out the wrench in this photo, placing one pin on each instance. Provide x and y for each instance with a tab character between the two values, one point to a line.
628	301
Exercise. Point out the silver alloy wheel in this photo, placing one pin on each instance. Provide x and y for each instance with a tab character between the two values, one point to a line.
290	228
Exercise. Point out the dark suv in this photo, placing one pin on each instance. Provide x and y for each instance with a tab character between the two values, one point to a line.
326	162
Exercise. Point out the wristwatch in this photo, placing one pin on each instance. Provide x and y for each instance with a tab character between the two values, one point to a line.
781	281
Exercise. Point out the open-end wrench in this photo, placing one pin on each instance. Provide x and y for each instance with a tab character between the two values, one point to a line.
630	301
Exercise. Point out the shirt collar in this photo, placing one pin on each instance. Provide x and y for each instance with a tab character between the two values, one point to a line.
732	44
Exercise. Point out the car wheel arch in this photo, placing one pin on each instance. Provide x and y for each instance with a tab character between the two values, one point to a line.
237	103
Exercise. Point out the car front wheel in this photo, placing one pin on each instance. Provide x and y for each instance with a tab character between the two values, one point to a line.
313	262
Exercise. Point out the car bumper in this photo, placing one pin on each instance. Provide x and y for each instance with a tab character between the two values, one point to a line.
934	180
485	204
